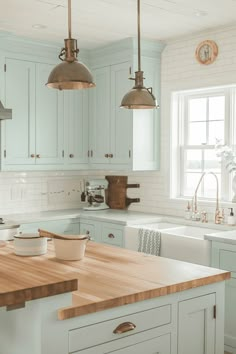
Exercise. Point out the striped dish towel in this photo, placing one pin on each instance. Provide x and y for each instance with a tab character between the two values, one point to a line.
149	241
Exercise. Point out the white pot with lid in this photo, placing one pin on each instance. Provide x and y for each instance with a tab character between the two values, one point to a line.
29	244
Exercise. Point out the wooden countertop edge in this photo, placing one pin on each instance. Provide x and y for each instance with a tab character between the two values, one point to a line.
91	307
38	292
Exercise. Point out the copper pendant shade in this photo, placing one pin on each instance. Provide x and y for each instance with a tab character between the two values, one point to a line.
139	97
70	74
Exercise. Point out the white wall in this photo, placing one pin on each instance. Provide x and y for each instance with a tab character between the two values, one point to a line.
35	191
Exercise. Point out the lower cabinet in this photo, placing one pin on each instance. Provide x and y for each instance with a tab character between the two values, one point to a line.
158	345
224	257
104	232
197	325
66	226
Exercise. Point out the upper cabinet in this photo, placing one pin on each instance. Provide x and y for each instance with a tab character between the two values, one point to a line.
34	136
110	126
77	129
121	138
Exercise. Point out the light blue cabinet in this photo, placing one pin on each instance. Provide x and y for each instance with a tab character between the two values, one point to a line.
105	232
197	325
66	226
121	138
76	129
34	136
224	257
49	120
99	144
18	134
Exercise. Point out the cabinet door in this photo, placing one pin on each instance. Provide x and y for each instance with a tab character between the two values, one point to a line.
100	117
49	119
112	234
121	119
76	127
224	257
197	325
92	229
19	133
158	345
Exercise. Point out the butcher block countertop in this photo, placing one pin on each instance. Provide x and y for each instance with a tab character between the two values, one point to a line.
106	277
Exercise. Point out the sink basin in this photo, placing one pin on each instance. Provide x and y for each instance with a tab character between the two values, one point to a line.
184	243
191	231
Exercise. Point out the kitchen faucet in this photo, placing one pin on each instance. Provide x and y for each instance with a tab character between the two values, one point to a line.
195	216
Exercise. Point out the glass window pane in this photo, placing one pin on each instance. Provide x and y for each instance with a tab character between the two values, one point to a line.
194	160
197	133
197	109
211	162
191	181
216	131
210	186
207	187
217	108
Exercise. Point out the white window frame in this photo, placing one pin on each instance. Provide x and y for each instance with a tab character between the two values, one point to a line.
178	133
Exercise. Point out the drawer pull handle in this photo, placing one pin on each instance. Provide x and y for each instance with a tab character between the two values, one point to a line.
124	327
111	236
71	156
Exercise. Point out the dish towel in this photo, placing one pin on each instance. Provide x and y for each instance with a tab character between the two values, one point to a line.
149	241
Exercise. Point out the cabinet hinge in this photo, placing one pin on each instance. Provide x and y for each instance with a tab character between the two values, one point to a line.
129	153
5	67
63	153
5	153
214	311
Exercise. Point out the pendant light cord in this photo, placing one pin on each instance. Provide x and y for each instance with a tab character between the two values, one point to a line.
139	50
69	19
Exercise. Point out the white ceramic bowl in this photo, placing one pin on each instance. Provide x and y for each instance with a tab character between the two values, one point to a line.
71	250
29	245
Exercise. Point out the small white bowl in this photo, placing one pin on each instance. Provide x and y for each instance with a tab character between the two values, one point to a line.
29	245
72	249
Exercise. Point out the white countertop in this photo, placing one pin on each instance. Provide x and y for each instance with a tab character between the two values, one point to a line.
123	217
226	233
224	236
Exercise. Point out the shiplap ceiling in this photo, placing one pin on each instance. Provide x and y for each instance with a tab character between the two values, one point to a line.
99	22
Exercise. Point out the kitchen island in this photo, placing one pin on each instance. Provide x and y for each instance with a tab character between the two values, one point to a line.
126	302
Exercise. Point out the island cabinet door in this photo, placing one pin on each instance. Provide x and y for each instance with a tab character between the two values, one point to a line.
197	325
158	345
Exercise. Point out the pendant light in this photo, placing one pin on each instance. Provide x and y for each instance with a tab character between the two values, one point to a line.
70	74
139	97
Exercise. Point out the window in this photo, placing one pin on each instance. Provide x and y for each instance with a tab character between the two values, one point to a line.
199	118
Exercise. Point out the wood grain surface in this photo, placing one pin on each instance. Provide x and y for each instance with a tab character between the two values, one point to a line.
107	277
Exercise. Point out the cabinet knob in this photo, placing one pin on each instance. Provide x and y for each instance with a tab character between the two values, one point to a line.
110	155
71	156
111	236
38	156
124	327
87	232
106	155
32	155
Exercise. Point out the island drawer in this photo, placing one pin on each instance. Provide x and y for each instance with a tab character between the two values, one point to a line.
102	332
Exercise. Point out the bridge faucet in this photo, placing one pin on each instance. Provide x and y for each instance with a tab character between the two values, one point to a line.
218	217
